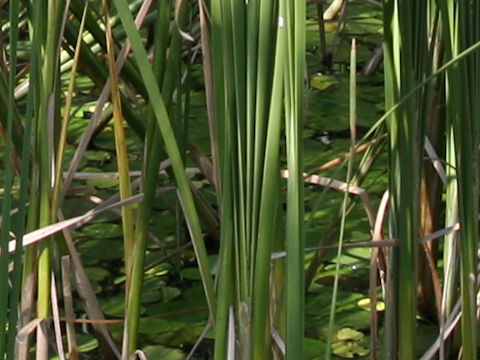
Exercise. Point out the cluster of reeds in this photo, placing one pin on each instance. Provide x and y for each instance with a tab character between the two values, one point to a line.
431	91
254	70
276	42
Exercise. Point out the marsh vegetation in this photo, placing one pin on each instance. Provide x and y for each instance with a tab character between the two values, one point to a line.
224	179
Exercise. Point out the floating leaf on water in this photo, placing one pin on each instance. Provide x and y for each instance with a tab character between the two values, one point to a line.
106	217
365	304
323	82
158	270
100	182
152	289
86	343
352	317
153	325
115	306
103	183
121	278
104	140
102	231
194	274
347	343
348	334
191	274
170	293
152	282
151	296
162	352
343	349
76	127
97	273
314	349
101	249
192	298
360	350
91	169
348	349
97	155
179	334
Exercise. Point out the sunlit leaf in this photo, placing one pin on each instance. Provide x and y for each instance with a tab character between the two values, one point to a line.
348	334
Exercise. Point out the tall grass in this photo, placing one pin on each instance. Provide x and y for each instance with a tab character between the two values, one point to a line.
171	147
257	56
353	125
254	70
294	233
8	321
405	52
461	30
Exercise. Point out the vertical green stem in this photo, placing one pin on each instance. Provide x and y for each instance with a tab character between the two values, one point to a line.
45	133
294	95
163	123
8	322
461	30
132	312
353	121
405	50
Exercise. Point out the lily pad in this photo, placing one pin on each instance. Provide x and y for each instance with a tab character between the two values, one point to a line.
102	231
115	306
191	298
170	293
347	343
365	304
97	273
179	334
103	183
76	127
105	140
191	274
86	343
348	334
97	155
162	352
324	82
153	325
314	349
151	290
349	349
101	249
